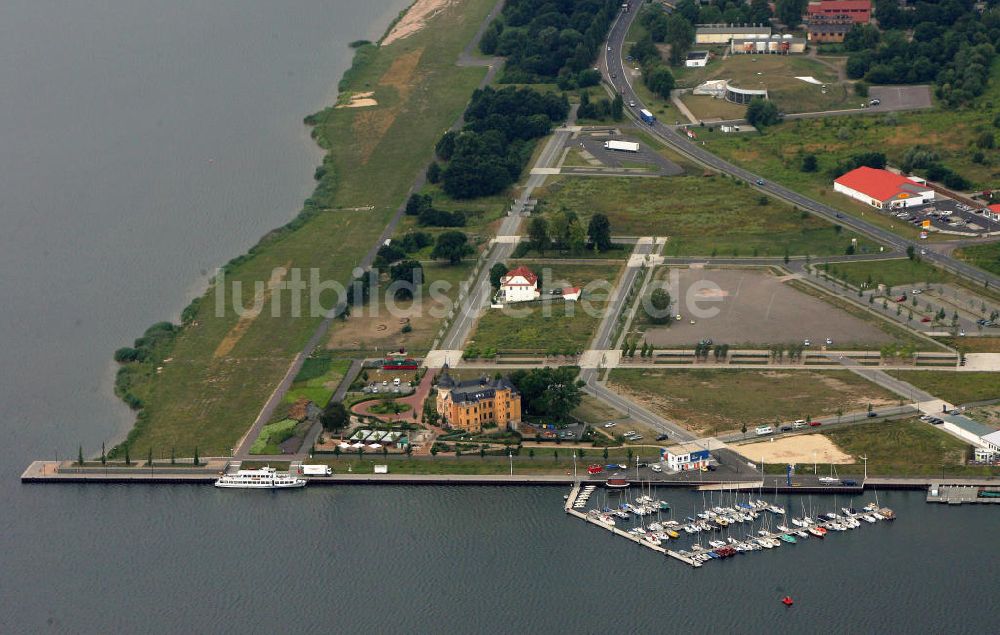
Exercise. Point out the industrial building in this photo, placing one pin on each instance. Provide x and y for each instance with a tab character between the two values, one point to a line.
883	189
774	45
696	59
478	403
723	33
859	11
828	28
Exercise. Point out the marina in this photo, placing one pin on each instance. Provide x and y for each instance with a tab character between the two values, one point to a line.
735	524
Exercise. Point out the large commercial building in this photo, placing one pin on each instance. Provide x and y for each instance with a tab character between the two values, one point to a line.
828	28
774	45
883	189
860	11
723	33
474	404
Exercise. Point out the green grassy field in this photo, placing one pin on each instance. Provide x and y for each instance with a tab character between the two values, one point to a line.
318	379
712	401
701	215
208	395
974	344
906	447
568	327
953	387
985	257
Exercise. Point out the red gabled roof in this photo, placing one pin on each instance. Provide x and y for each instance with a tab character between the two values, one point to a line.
995	207
878	184
523	272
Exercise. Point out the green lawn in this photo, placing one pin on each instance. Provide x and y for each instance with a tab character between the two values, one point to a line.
906	447
272	435
373	154
974	344
701	215
983	256
713	401
891	273
953	387
317	379
551	325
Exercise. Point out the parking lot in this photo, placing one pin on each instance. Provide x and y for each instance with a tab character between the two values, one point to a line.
901	97
606	160
950	216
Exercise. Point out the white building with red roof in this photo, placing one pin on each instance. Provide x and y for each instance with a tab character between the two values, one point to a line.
519	285
883	189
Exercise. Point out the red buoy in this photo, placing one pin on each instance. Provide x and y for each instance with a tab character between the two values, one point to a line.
787	601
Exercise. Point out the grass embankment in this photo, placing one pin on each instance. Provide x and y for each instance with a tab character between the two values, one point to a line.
208	394
701	216
985	257
907	447
317	379
713	401
272	436
891	273
954	387
550	325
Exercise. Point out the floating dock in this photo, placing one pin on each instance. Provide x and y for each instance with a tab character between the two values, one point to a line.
698	555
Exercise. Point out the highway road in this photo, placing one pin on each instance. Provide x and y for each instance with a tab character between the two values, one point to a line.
617	78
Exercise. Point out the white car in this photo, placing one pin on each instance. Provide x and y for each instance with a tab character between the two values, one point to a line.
915	292
829	341
806	343
656	468
610	424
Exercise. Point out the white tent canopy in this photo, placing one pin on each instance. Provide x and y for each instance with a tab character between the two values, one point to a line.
375	446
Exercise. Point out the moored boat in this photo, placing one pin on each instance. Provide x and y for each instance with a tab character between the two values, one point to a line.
263	478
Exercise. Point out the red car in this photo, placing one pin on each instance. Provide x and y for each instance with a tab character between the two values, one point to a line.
925	319
815	423
901	298
595	469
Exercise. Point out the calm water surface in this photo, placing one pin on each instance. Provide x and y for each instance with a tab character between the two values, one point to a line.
143	143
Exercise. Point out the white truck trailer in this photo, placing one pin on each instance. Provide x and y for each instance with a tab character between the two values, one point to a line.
621	146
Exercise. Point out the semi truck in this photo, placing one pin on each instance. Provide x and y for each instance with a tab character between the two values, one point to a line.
621	146
316	470
646	116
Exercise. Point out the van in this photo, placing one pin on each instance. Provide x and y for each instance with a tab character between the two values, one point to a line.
799	424
764	430
395	382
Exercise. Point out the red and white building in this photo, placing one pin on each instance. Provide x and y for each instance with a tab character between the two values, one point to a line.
519	285
883	189
860	11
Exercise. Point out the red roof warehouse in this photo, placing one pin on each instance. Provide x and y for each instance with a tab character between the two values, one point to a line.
859	10
883	189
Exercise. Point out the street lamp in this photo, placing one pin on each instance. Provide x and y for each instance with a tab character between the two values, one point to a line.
865	459
510	456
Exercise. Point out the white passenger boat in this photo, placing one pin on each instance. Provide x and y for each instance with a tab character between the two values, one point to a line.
264	478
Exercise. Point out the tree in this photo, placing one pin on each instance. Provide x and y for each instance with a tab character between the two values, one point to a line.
660	302
104	455
434	450
334	416
760	12
497	271
618	108
743	428
531	453
548	392
409	449
451	246
762	113
680	37
599	231
79	460
434	172
418	203
605	454
911	253
128	459
809	163
197	460
660	80
789	12
538	233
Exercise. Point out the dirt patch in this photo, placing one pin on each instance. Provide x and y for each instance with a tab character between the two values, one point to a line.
804	448
370	126
416	18
243	325
360	100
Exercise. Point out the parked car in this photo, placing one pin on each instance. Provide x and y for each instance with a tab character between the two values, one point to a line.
815	423
656	468
662	437
786	428
760	181
849	482
872	414
610	424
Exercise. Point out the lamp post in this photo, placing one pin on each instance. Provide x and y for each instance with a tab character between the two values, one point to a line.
865	459
510	456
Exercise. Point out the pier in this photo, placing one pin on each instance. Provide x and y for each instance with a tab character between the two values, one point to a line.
958	494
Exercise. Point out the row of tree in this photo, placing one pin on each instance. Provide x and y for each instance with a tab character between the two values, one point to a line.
422	206
548	39
564	230
603	108
488	155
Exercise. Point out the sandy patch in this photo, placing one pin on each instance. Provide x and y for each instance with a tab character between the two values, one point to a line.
370	126
416	19
360	100
243	325
795	449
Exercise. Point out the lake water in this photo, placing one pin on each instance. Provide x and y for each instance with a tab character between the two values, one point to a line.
145	142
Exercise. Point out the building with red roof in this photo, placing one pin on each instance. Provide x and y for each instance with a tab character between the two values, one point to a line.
883	189
860	11
519	285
